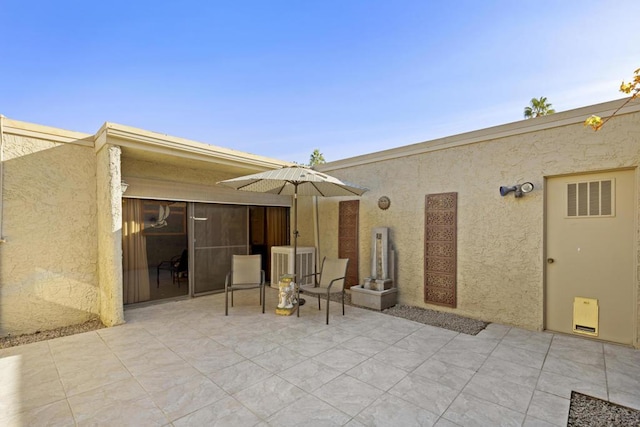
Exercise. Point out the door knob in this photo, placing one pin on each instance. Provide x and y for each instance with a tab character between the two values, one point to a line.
550	260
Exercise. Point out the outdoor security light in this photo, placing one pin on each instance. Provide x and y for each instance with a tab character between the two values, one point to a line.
519	189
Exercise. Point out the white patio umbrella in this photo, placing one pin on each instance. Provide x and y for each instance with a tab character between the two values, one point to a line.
295	181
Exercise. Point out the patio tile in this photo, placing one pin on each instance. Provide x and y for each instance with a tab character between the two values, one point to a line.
513	372
309	375
178	337
237	377
310	346
468	360
443	373
468	343
340	358
167	376
187	397
619	382
468	410
622	359
377	374
494	331
573	369
269	396
53	414
422	344
519	356
253	347
152	359
530	421
549	408
308	411
286	334
400	358
575	344
443	422
388	336
528	340
392	411
499	391
91	377
17	398
365	345
279	359
348	394
562	386
423	392
23	370
581	356
624	399
124	402
225	412
207	355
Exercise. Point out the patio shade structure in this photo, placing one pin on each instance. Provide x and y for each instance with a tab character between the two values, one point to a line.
295	181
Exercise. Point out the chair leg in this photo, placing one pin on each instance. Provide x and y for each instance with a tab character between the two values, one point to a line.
158	277
226	302
328	307
262	297
343	302
319	302
231	297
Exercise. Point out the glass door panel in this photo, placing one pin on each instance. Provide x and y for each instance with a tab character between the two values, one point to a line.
220	231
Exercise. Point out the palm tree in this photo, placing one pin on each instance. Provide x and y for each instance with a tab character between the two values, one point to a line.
316	158
538	107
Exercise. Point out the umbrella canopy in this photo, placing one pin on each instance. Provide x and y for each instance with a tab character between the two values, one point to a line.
295	181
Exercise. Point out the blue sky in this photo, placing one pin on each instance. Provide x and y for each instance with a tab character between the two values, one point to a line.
280	78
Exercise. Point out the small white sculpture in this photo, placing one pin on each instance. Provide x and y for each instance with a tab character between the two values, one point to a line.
286	295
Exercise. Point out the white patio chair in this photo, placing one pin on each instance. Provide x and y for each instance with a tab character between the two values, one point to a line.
246	273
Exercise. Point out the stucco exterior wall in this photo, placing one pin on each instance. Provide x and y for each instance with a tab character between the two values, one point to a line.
109	230
177	170
500	239
48	264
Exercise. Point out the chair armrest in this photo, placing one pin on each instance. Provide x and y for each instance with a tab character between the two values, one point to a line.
335	280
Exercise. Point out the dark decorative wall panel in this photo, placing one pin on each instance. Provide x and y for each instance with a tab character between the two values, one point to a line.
348	238
440	249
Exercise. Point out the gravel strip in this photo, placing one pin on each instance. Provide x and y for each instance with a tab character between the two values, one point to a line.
589	411
11	341
453	322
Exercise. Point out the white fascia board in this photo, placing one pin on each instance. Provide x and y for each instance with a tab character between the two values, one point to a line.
32	130
502	131
130	137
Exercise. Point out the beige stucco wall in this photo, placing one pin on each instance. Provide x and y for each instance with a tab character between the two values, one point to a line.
48	263
109	230
500	239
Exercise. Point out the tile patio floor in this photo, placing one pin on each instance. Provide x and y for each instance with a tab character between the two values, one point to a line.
186	364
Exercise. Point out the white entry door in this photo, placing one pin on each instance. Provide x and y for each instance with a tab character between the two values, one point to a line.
590	251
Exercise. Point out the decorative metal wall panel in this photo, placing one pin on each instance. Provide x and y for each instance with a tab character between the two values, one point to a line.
440	249
348	238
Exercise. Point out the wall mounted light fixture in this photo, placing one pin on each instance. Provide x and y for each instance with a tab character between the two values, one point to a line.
124	186
519	189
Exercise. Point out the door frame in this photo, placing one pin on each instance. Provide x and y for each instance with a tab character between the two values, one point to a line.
636	247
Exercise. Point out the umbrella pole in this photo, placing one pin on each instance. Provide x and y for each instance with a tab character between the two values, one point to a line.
295	246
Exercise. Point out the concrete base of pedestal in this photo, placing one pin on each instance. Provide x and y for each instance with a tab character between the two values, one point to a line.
377	300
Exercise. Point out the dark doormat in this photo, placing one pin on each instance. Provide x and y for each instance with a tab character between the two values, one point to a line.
590	411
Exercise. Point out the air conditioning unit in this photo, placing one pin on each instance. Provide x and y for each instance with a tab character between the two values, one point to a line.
282	263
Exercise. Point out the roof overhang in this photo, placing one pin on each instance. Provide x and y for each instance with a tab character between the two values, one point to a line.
570	117
146	145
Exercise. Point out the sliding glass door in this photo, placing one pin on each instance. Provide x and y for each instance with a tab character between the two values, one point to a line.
219	231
